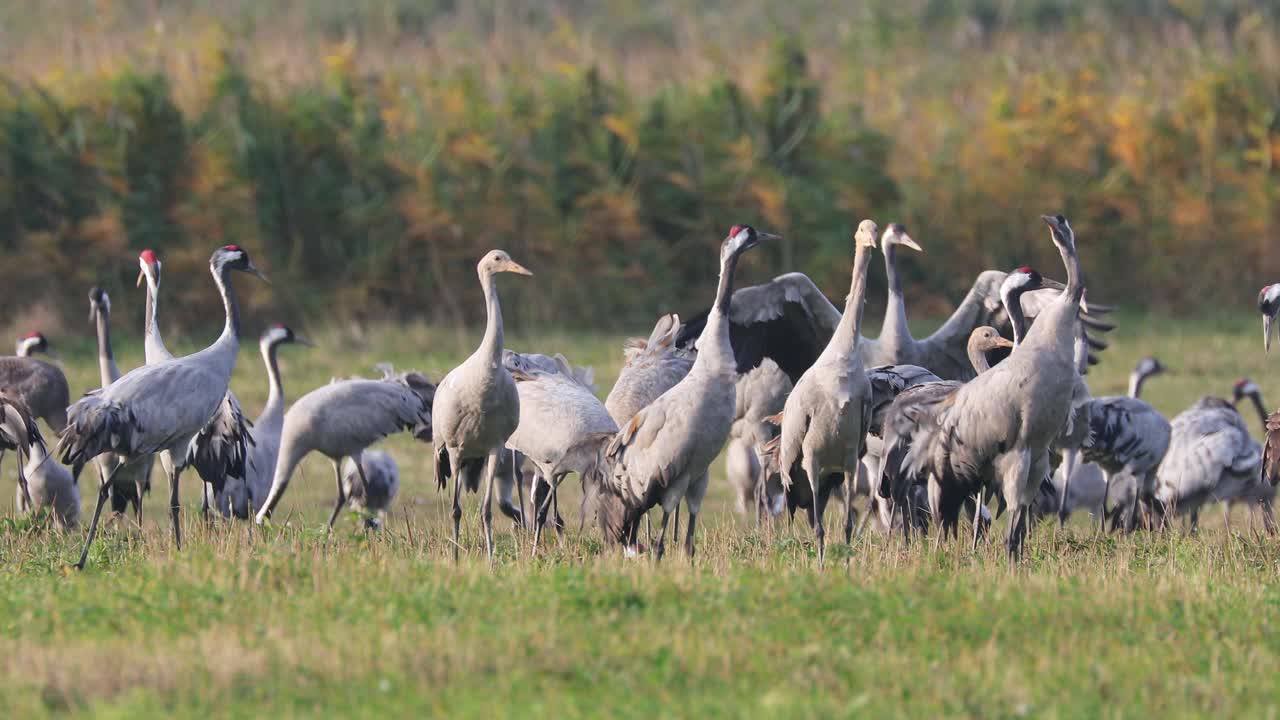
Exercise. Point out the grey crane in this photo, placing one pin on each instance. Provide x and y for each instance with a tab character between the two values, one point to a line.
218	450
50	486
477	408
242	497
129	484
18	432
373	486
563	426
921	399
1269	306
342	419
790	320
995	431
761	393
161	407
32	344
916	402
661	456
825	418
1259	495
41	386
651	367
1211	458
1127	439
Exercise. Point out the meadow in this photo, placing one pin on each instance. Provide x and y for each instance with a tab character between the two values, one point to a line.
282	621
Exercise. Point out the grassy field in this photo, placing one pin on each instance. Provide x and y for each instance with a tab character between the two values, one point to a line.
282	623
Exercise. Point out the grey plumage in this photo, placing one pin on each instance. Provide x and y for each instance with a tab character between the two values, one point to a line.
158	408
220	450
50	486
341	419
41	386
662	454
825	418
988	435
18	432
131	482
761	393
373	486
243	495
477	408
651	368
1211	458
563	426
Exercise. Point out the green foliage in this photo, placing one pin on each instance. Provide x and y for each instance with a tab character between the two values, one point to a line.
608	146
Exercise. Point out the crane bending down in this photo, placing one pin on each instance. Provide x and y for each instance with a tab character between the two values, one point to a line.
477	408
160	407
242	497
341	419
563	427
761	393
50	486
825	418
373	486
129	484
1211	458
218	450
662	454
996	430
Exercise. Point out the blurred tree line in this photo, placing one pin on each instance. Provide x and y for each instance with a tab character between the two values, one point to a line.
370	165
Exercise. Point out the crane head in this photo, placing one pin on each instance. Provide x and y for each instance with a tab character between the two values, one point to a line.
234	257
896	234
1061	230
149	268
865	235
1269	306
742	238
99	302
498	261
1149	366
280	333
1244	388
33	343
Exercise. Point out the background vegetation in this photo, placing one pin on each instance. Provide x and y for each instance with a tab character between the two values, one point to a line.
367	153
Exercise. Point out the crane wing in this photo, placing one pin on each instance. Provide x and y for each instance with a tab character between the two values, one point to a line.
1271	453
219	450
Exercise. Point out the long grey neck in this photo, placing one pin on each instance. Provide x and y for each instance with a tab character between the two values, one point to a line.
1018	319
107	368
1136	380
715	350
978	358
232	327
1257	404
275	388
1075	274
491	345
847	332
152	342
895	327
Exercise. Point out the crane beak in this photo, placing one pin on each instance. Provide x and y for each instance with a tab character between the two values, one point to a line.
1049	220
517	268
1052	284
767	236
254	271
1268	327
141	275
1003	342
303	341
906	241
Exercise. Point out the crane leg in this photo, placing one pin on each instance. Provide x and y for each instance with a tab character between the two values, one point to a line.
515	477
486	507
977	519
342	496
104	492
22	482
1268	516
540	508
819	534
555	508
175	508
661	547
688	539
675	531
457	508
850	482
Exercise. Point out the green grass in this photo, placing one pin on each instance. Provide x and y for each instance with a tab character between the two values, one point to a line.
280	622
